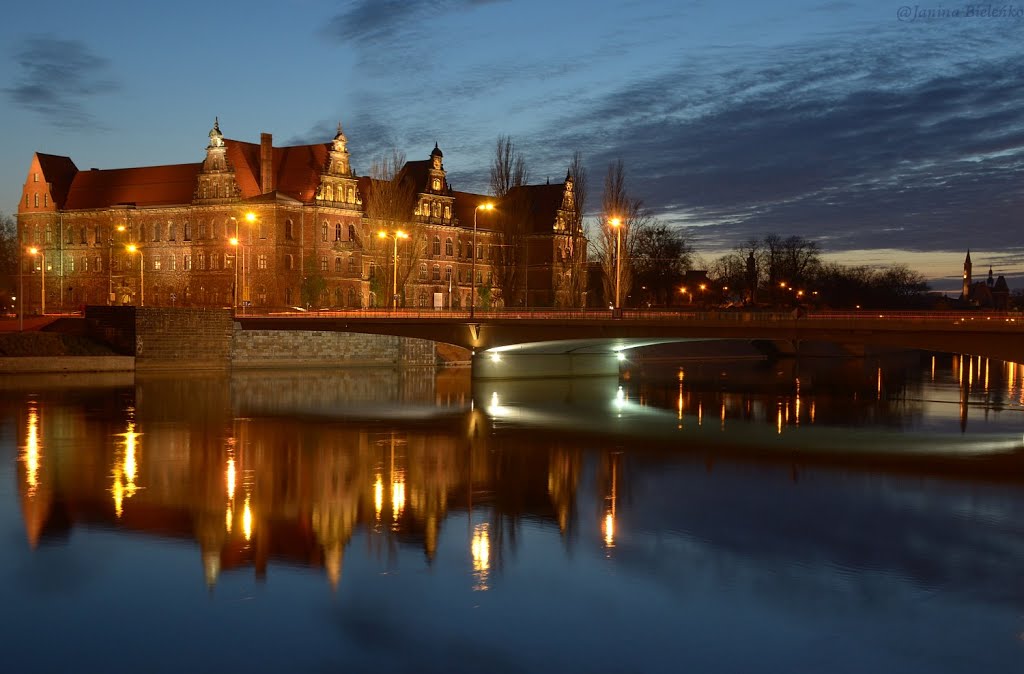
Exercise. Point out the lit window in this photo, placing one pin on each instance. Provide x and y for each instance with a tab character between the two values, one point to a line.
35	200
156	263
186	262
261	262
323	263
172	263
323	232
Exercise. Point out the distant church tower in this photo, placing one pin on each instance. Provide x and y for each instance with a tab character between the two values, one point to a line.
967	276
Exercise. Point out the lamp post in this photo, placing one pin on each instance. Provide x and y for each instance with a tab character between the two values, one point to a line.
42	268
250	218
472	269
110	266
234	242
132	248
398	234
21	290
617	224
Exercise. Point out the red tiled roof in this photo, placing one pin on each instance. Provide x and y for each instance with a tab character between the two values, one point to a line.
543	204
144	186
296	171
59	172
466	203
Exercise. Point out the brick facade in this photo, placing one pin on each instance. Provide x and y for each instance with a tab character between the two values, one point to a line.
304	234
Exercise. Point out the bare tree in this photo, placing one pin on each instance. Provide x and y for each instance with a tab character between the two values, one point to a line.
634	218
8	255
389	207
508	173
508	168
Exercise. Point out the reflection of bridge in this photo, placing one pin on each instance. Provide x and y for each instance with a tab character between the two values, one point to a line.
594	340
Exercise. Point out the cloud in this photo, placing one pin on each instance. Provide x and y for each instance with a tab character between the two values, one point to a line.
57	78
843	141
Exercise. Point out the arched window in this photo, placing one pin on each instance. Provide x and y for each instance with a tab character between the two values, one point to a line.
337	264
423	272
339	296
469	250
329	193
449	247
337	231
288	229
423	298
351	264
323	233
448	274
436	273
172	231
82	234
351	232
202	230
288	262
352	298
188	231
437	245
436	210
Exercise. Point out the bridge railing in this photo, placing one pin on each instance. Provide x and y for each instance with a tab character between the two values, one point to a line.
1008	319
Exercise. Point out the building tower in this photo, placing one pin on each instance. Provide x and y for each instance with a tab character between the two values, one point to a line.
966	294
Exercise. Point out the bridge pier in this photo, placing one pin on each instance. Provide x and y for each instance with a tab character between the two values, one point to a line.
504	365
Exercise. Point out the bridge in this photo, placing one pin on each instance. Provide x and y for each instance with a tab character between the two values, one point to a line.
567	343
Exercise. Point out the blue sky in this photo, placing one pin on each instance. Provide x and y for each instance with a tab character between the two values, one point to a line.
886	135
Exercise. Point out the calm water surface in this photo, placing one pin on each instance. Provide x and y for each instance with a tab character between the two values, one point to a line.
823	516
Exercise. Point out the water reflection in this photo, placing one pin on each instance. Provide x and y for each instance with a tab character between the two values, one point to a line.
812	482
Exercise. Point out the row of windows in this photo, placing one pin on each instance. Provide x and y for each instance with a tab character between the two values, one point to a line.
428	208
343	193
449	249
337	232
464	274
95	234
35	199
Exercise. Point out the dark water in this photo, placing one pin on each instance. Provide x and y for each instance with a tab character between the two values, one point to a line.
828	516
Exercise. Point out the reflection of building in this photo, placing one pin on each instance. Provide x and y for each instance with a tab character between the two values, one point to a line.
992	293
256	491
312	239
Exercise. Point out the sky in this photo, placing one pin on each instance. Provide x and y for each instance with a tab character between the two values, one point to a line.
888	133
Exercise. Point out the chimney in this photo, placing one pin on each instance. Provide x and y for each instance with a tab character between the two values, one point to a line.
266	162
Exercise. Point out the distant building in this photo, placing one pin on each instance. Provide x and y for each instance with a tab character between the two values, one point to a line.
311	235
992	293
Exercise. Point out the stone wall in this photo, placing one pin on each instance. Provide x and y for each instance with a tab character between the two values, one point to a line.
280	348
165	338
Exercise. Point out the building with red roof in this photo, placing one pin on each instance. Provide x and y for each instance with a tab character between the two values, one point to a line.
273	227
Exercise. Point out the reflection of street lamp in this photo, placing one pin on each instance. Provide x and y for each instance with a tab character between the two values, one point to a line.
472	267
132	248
617	224
398	234
42	267
110	266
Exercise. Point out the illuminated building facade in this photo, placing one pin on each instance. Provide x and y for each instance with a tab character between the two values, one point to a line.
303	234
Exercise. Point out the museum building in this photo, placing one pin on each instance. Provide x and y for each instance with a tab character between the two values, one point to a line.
277	227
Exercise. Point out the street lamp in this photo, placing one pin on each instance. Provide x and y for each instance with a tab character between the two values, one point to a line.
132	248
42	267
472	267
234	242
617	224
250	217
398	234
110	266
